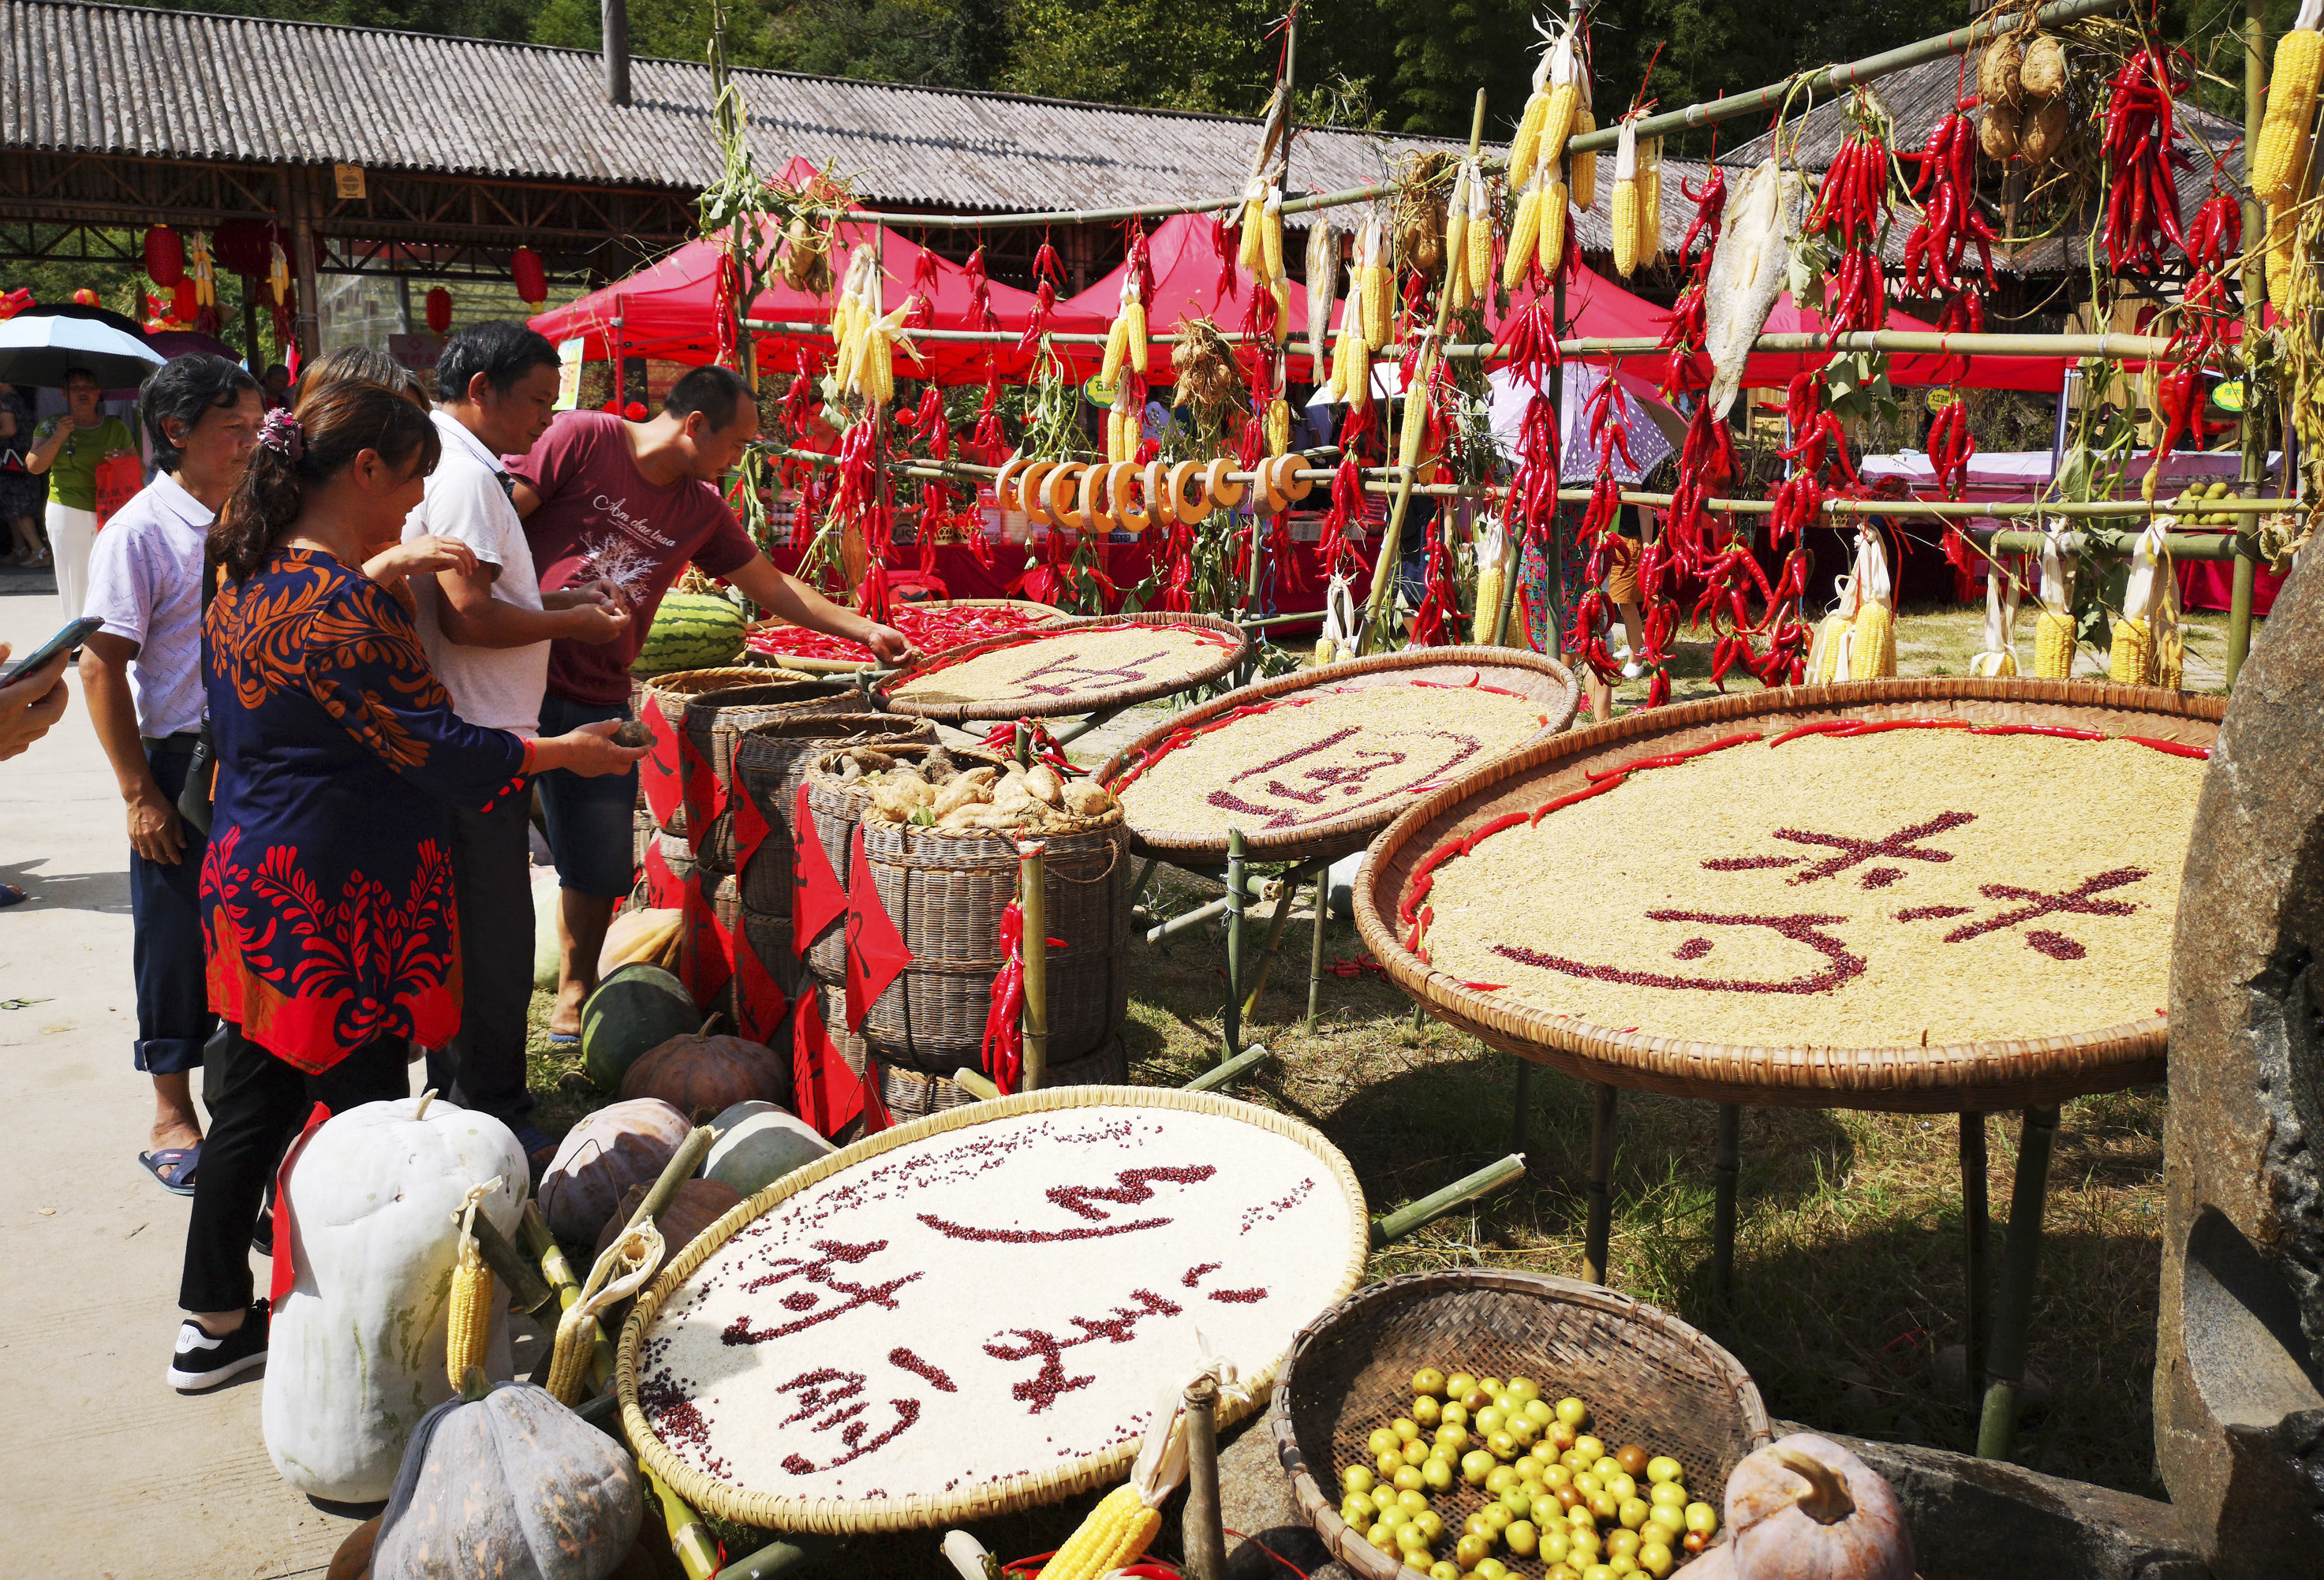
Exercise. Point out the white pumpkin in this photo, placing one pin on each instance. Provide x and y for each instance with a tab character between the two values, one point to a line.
1804	1508
356	1355
757	1143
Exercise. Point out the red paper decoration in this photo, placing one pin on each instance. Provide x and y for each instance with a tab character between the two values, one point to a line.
530	275
185	302
439	311
165	257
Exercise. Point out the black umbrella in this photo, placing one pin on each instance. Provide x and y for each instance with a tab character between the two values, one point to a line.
41	344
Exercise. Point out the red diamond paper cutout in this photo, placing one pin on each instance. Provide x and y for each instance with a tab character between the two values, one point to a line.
760	1004
703	796
659	773
706	955
664	891
750	830
816	898
876	954
826	1092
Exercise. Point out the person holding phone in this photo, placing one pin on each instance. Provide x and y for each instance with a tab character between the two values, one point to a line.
67	449
328	895
30	704
142	673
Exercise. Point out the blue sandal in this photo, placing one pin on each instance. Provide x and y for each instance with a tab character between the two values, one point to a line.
174	1166
565	1040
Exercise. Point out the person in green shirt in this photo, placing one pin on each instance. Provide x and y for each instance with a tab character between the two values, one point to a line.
68	448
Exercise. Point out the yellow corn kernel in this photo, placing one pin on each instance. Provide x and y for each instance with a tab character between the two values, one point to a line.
1491	577
471	1313
1480	241
1415	420
1133	315
1626	228
1270	240
1553	230
1832	645
1380	302
1650	200
1557	125
1585	165
2053	646
1456	241
2291	109
1114	1535
1251	252
1872	642
2131	661
1280	288
1117	349
1526	146
1523	230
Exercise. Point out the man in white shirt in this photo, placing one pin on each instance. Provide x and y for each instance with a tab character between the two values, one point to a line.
143	677
487	634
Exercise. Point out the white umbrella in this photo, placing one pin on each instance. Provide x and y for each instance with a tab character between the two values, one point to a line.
41	348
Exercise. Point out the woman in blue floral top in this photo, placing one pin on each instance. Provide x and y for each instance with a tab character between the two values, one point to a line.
326	893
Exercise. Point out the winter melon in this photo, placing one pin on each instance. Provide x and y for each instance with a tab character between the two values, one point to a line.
690	631
757	1143
634	1010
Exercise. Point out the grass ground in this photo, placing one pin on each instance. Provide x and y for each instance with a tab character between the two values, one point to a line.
1849	1275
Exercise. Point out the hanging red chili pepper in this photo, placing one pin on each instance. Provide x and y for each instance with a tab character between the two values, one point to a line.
2141	152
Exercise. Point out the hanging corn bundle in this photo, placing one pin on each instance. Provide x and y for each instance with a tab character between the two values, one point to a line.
2053	631
1650	199
2279	164
1493	569
1551	112
1858	639
1456	242
1422	212
1999	659
1324	241
1126	341
1584	178
2135	658
1416	403
1626	196
1379	275
472	1292
1478	236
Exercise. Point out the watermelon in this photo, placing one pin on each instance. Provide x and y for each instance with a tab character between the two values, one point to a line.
757	1143
690	631
634	1010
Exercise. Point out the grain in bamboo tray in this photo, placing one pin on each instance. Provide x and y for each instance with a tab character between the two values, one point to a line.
1098	661
1323	753
1845	887
974	1311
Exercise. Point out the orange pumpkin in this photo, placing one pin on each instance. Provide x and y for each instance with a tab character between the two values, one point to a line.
1806	1509
702	1075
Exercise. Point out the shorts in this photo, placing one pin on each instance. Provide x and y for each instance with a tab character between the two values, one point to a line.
591	821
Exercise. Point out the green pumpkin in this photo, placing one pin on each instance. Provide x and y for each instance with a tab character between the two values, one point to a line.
757	1143
636	1009
510	1485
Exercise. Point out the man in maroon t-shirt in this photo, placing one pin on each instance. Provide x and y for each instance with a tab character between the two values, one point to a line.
632	503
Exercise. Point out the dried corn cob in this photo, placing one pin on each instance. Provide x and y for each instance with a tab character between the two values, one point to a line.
1650	200
1552	241
1270	233
1133	315
1480	236
1585	165
1456	242
1626	198
1564	101
1251	254
2053	646
2290	108
1112	1536
1117	349
1831	648
1492	581
1872	642
1523	231
1278	426
471	1319
2283	227
1280	289
1416	412
1379	286
1524	148
2131	662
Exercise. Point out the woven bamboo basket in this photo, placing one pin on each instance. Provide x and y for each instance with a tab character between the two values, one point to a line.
836	804
1646	1377
1543	680
845	1517
772	761
945	889
910	1094
715	720
2013	1073
668	696
1089	701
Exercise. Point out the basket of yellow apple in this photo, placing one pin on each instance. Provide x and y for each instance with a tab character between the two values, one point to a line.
1490	1424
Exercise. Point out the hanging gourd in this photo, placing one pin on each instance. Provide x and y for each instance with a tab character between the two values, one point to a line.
1806	1509
165	256
439	311
357	1352
509	1482
530	275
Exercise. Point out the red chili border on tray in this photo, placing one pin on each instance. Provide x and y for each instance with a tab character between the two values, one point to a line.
945	661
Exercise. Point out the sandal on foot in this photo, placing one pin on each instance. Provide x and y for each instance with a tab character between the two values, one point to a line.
540	1148
173	1166
12	894
565	1040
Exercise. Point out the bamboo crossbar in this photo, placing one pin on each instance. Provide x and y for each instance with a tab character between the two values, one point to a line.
1383	480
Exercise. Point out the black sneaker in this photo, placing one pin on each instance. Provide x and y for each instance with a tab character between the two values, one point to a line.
202	1362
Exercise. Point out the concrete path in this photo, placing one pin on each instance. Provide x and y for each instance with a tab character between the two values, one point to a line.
106	1471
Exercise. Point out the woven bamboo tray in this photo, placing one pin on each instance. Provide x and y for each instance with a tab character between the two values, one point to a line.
1646	1377
1544	680
909	1094
772	761
1039	613
1089	701
1967	1077
847	1517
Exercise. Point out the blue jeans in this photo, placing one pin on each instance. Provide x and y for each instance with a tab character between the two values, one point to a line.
591	821
165	910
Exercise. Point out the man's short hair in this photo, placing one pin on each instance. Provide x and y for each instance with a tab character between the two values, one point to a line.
715	392
179	391
503	352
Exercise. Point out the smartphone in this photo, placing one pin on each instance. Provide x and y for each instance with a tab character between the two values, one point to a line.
64	641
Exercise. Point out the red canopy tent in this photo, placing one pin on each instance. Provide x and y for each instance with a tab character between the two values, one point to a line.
668	309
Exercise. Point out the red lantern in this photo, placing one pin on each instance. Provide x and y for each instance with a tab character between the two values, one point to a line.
531	277
185	302
165	256
439	311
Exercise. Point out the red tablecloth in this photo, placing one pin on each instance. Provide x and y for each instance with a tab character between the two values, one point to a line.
2210	584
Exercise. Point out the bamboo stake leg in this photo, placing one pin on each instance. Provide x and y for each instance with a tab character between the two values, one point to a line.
1232	1020
1599	1231
1145	877
1033	894
2013	1309
1726	1171
1976	1222
1322	891
1274	925
1202	1528
1521	1104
